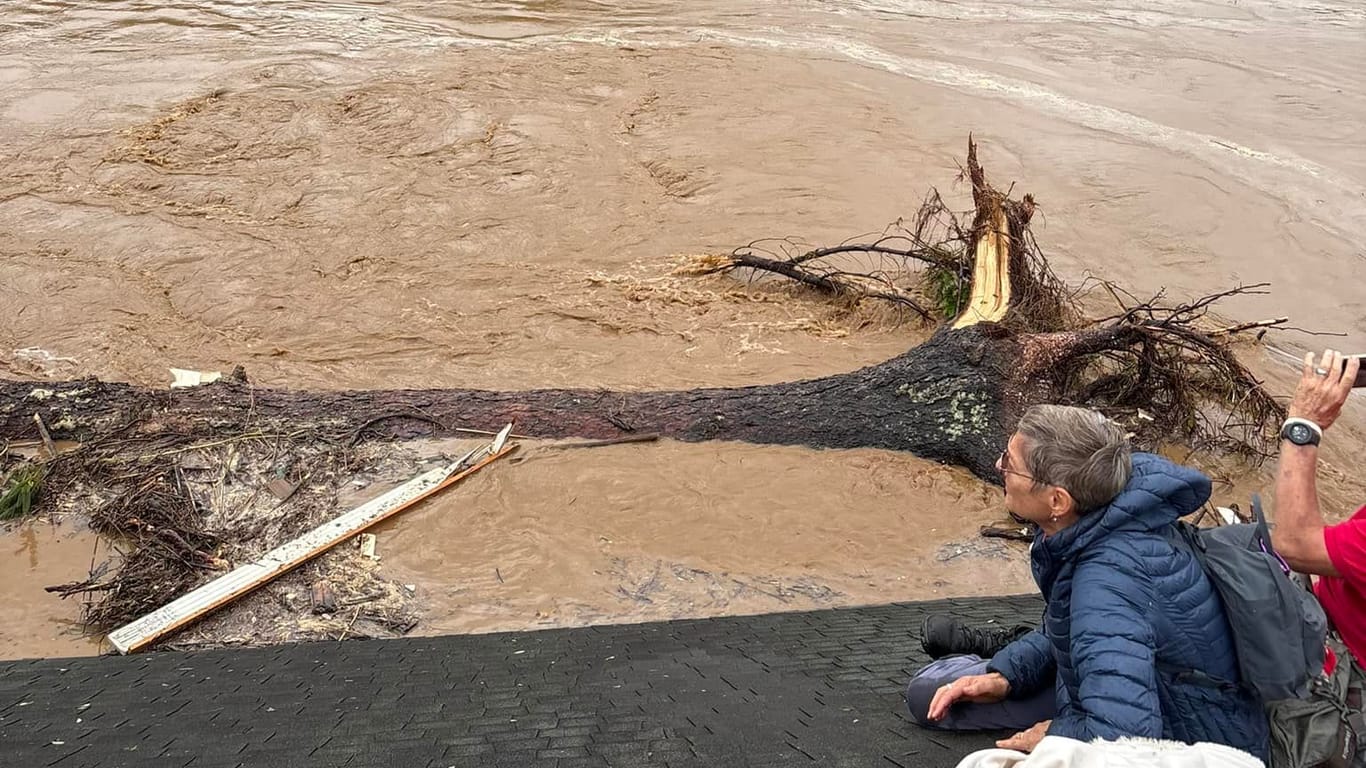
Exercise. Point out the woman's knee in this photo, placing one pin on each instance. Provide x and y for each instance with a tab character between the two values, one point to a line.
923	685
919	693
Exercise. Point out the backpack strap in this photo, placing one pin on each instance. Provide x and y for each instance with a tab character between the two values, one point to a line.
1264	535
1264	540
1203	679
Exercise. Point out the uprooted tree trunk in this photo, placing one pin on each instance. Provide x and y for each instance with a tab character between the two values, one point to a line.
952	399
1015	340
943	400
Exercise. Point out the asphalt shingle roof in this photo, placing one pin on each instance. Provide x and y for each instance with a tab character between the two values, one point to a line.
819	688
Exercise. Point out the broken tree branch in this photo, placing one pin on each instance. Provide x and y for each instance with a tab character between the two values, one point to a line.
1240	327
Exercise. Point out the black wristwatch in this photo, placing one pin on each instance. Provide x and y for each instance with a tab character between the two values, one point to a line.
1301	432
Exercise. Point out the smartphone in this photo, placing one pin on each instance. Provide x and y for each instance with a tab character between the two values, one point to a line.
1361	372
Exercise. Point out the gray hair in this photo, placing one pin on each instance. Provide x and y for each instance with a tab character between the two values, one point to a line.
1078	450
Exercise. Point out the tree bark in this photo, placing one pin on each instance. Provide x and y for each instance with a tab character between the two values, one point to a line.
945	400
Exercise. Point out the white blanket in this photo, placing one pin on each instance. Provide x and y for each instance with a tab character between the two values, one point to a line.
1060	752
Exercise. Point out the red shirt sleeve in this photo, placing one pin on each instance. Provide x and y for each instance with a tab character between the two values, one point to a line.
1346	545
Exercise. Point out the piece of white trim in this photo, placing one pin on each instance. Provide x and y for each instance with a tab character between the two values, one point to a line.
245	578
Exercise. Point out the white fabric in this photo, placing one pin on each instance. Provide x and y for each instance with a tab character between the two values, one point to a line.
1060	752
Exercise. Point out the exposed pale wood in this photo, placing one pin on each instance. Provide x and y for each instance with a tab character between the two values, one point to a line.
600	443
367	546
990	296
1271	323
485	433
48	445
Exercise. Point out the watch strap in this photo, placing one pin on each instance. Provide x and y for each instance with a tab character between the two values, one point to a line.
1315	428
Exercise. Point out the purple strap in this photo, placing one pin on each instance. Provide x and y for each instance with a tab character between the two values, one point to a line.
1284	565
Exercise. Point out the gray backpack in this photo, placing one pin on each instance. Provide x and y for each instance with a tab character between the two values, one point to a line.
1278	627
1320	730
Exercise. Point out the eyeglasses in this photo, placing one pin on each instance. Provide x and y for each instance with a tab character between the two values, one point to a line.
1003	464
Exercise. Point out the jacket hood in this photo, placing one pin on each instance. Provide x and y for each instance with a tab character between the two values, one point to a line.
1159	492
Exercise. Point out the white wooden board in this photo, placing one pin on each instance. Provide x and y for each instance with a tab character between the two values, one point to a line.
245	578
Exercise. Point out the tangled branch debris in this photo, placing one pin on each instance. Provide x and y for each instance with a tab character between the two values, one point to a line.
181	482
1168	376
183	505
1154	366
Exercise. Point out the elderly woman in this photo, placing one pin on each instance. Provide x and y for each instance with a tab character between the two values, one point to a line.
1134	641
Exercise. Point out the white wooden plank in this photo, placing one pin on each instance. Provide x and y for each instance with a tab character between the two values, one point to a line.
244	578
500	439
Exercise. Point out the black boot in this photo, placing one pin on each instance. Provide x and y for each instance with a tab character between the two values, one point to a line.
942	636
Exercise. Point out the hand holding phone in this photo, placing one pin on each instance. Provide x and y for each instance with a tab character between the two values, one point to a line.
1323	388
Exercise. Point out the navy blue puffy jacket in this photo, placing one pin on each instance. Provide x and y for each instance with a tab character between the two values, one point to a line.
1134	635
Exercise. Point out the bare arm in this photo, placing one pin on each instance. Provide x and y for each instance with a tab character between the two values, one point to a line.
1299	522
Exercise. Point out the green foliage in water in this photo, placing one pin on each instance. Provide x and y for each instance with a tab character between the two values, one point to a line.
949	290
19	490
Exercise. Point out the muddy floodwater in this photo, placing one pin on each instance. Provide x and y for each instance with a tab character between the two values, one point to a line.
494	194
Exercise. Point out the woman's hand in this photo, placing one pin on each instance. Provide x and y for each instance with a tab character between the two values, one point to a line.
982	689
1026	741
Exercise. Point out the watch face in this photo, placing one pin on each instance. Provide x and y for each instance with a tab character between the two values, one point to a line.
1299	434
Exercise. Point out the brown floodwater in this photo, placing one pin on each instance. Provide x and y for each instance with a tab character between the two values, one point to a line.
34	622
493	194
639	532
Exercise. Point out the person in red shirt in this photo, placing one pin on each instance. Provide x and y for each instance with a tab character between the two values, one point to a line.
1334	553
